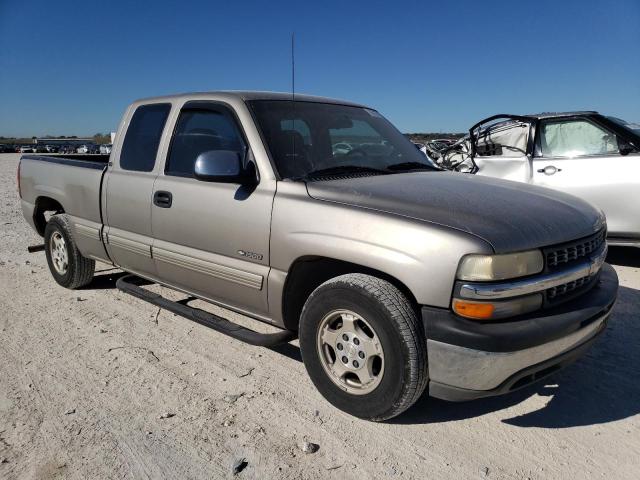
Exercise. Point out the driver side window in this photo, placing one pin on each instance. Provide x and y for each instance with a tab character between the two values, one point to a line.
503	140
199	131
576	138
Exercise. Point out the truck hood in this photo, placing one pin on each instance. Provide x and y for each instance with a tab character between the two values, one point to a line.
510	216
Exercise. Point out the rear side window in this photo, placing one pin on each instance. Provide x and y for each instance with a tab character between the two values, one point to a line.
143	137
199	131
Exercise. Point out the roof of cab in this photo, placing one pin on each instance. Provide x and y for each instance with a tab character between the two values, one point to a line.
247	95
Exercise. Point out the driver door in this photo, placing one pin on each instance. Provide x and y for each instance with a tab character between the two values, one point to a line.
501	152
211	239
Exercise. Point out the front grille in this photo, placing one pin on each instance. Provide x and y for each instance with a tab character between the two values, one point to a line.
554	293
572	251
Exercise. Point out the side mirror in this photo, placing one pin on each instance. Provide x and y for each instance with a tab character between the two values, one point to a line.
625	148
223	166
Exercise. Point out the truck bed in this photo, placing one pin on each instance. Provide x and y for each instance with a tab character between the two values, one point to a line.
76	160
71	183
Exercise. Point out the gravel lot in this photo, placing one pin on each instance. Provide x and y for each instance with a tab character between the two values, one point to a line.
86	377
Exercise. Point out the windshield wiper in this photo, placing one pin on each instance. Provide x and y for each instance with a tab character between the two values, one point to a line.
410	166
344	169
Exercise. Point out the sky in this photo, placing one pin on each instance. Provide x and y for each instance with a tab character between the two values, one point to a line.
71	67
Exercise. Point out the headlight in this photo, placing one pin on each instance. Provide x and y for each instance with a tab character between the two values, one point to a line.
500	267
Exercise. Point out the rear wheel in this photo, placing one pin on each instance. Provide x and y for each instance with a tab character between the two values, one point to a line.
67	265
363	346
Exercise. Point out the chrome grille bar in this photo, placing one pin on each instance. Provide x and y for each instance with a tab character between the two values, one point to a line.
514	288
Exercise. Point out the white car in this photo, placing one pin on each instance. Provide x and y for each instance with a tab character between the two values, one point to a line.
106	149
82	149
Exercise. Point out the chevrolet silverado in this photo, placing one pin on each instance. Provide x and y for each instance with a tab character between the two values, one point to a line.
396	276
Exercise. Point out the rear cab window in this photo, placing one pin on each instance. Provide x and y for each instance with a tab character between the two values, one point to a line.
142	139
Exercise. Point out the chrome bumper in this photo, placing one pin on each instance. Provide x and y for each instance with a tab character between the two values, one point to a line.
470	369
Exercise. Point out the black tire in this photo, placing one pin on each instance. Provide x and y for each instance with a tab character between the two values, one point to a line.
399	330
80	269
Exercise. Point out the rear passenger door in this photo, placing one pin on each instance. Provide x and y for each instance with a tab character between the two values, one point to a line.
129	187
211	239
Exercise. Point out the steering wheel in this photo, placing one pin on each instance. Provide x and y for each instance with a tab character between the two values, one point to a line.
359	152
331	161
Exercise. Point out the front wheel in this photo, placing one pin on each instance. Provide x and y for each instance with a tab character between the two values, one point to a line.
363	346
67	265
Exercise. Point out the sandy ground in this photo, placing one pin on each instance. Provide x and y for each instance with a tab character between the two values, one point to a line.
86	375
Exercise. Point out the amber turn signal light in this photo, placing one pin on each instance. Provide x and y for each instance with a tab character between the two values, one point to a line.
473	310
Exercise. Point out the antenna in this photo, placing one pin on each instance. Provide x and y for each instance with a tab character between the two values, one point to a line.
293	67
293	96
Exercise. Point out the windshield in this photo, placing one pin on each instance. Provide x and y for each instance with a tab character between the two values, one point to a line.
308	139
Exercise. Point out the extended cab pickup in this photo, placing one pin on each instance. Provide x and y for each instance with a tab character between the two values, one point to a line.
318	217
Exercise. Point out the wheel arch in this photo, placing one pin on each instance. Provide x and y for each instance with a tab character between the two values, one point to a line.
45	204
309	272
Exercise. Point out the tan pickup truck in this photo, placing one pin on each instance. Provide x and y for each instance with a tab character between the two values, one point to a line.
318	217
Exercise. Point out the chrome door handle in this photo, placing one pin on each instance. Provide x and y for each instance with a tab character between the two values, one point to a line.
549	170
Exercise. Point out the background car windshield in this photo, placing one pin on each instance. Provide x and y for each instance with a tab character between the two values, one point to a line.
306	137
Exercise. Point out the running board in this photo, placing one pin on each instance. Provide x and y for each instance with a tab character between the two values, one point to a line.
128	285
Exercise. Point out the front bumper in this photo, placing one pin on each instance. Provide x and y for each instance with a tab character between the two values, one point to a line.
470	359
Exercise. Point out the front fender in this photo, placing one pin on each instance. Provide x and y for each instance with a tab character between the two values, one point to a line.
422	256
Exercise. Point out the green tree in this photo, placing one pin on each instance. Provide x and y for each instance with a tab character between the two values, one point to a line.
101	138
